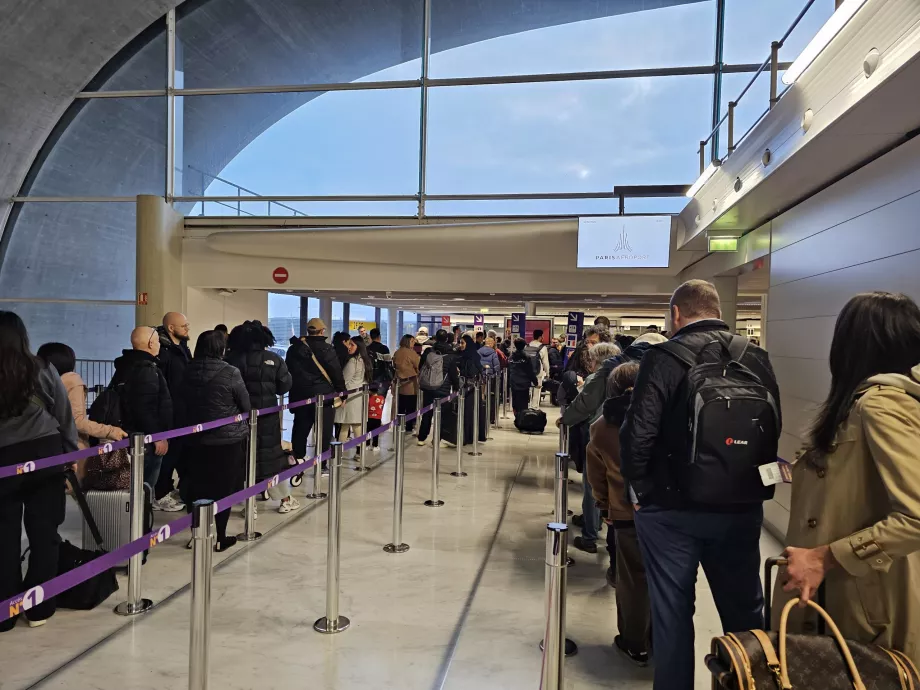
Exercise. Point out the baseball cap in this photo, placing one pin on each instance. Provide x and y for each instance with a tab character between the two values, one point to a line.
316	324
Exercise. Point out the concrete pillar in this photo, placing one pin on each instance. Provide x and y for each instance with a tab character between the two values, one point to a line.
392	328
158	261
530	308
727	287
325	313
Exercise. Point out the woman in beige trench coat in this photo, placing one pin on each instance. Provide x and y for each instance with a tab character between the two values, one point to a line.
855	512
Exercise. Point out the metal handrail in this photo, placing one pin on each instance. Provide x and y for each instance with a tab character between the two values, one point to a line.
773	62
239	197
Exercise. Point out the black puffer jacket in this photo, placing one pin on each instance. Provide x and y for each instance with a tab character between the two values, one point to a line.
146	405
308	380
654	434
213	390
521	373
266	377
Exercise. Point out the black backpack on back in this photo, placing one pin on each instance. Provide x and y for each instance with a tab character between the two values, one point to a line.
733	425
106	408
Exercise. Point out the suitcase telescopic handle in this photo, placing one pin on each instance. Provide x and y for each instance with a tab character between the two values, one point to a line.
80	495
769	564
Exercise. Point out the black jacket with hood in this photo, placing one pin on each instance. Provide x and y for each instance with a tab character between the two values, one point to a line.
214	389
520	371
266	377
146	403
654	435
308	380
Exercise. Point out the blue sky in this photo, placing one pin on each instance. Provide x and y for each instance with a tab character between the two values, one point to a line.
551	137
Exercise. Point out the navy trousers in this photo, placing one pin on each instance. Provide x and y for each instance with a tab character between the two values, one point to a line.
674	544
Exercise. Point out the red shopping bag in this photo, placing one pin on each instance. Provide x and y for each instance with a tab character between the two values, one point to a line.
375	405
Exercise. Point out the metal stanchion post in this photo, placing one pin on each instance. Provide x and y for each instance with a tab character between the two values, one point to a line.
461	413
249	518
499	392
435	455
362	449
489	408
397	545
552	676
561	491
318	451
477	398
393	412
332	622
135	603
204	535
563	434
418	406
506	386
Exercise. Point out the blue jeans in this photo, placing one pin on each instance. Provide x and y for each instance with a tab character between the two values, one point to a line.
152	464
591	514
674	543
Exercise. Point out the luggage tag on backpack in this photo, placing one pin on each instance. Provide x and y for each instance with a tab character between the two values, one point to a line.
775	473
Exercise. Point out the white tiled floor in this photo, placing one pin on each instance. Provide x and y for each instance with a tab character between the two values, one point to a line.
462	609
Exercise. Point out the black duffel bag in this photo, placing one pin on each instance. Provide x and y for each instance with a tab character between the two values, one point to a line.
92	592
530	421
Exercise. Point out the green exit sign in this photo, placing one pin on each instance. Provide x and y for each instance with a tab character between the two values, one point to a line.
723	244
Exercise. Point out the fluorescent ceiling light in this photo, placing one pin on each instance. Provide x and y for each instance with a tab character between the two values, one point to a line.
702	179
825	35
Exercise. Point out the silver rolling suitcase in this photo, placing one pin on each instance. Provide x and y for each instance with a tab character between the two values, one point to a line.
112	514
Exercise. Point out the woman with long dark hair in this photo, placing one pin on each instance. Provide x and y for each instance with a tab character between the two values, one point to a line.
358	370
854	522
215	459
266	377
35	422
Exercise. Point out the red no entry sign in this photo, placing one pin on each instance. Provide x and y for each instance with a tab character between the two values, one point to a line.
280	275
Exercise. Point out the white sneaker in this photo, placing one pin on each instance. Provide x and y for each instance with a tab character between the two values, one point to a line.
376	449
448	444
289	506
36	624
422	443
168	504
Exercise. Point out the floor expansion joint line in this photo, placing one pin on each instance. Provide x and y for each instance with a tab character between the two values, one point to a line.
184	588
444	669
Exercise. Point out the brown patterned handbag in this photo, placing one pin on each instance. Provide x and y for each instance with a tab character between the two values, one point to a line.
759	660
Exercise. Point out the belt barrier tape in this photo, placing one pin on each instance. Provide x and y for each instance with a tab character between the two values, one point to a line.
36	595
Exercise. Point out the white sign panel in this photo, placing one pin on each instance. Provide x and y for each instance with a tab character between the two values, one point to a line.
624	242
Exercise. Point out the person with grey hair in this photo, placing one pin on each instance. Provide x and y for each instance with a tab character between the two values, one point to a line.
591	336
578	417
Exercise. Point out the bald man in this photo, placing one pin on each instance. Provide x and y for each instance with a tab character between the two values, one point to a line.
173	359
146	405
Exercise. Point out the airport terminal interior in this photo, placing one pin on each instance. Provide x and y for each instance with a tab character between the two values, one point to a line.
397	168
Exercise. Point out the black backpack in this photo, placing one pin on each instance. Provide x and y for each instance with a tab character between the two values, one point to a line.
106	408
534	357
733	425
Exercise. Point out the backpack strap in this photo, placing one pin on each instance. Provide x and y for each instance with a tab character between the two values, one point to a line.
679	351
737	346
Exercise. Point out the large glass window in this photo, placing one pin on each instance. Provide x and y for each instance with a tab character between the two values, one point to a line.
567	36
283	317
233	43
338	319
141	65
108	147
334	143
566	136
361	314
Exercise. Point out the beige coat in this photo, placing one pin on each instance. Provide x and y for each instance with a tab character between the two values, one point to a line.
76	393
863	499
405	361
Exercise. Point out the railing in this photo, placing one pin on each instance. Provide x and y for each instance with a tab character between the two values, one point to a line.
772	62
95	373
251	196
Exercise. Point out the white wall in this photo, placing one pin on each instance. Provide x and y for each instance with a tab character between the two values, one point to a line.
858	235
205	308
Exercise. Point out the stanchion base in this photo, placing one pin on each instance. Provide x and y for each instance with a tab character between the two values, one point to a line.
434	504
127	609
571	649
474	454
459	474
396	548
569	561
327	627
316	496
255	536
358	468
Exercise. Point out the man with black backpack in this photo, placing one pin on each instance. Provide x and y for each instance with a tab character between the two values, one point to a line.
703	420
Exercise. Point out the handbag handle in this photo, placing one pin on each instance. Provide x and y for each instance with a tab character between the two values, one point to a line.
835	631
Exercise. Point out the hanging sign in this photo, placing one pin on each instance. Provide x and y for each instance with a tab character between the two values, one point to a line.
280	275
574	328
518	325
445	322
479	322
